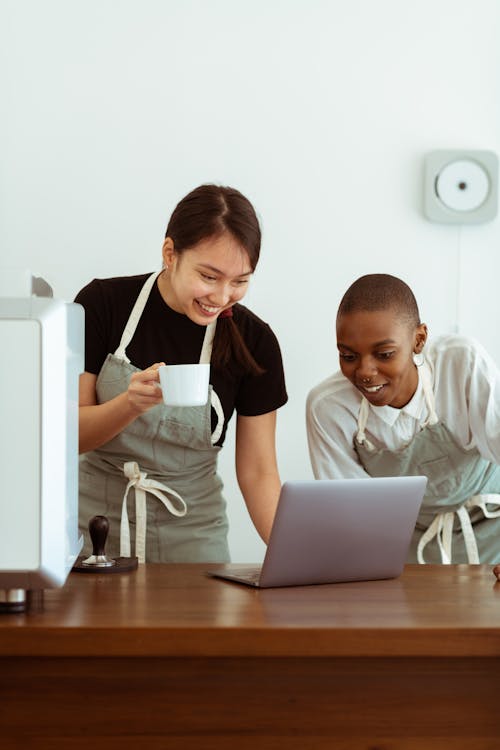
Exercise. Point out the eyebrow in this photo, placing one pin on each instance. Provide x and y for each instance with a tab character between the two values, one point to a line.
384	342
208	267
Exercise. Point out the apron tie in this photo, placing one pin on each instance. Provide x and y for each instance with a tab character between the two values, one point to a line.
137	479
442	528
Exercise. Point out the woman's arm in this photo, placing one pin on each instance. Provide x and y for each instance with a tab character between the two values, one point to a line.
467	390
332	455
257	469
98	423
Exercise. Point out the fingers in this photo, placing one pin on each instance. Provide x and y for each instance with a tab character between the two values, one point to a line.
156	366
151	373
143	391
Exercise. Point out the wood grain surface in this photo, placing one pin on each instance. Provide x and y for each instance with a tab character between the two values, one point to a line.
167	657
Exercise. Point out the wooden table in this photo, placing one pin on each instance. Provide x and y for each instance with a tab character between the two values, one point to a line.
166	657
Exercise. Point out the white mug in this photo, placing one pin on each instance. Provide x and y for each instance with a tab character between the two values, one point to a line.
184	385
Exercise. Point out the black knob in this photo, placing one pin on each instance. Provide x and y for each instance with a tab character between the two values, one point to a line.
98	529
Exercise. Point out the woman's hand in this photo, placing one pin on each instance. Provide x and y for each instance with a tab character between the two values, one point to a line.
144	391
496	571
99	423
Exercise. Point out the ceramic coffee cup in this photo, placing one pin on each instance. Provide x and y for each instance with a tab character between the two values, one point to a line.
184	385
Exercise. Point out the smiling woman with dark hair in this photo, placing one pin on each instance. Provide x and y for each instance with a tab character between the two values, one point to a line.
188	312
400	406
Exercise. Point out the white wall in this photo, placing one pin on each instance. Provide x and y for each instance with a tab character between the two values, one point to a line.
319	110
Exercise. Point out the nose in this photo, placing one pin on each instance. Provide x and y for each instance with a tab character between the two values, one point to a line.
366	370
222	295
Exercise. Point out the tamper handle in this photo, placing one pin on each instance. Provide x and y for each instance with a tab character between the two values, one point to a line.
98	530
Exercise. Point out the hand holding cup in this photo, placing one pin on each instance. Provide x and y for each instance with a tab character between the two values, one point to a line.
143	391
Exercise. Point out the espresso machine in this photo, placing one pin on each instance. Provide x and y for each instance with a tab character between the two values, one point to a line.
42	356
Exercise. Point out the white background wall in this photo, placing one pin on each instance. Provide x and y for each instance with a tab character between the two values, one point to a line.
320	111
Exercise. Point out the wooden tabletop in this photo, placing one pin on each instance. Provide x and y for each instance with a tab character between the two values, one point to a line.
177	610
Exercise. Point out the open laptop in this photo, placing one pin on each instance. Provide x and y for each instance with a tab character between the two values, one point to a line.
332	530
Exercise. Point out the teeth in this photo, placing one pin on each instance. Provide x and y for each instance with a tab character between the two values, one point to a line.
372	388
208	308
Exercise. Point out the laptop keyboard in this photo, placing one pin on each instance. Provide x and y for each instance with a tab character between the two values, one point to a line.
249	574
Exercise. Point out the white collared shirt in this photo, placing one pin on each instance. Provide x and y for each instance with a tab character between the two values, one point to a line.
466	385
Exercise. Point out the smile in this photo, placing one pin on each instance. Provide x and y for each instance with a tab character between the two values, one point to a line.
371	388
209	309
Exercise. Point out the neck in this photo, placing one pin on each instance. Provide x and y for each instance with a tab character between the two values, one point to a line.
410	392
165	289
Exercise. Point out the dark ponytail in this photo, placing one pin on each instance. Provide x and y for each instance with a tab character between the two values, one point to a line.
230	351
209	211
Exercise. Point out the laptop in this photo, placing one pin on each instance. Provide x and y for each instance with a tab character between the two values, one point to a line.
333	530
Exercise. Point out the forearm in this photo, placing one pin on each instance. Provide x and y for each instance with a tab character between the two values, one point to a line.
261	494
101	422
257	469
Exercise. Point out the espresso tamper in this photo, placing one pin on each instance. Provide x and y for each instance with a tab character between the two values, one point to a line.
99	562
98	530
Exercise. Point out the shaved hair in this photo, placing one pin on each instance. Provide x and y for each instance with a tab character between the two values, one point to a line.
380	291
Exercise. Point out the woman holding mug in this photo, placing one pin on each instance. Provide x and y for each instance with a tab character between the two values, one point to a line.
188	312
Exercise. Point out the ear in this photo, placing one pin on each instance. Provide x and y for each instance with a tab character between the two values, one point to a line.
420	338
168	252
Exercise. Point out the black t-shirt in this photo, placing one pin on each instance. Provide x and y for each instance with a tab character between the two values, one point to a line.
163	335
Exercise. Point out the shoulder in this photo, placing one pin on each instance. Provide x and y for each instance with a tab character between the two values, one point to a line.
454	349
333	393
258	334
459	363
111	289
259	394
248	321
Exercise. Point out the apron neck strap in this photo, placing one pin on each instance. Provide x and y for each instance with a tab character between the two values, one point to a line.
208	340
135	316
362	420
426	377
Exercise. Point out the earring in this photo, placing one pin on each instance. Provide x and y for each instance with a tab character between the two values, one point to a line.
418	358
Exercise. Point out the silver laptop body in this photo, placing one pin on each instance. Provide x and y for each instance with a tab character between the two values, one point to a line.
332	530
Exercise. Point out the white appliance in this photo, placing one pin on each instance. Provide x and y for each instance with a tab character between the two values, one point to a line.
41	346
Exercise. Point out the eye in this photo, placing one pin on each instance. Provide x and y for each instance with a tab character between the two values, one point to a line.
385	355
347	357
240	282
207	277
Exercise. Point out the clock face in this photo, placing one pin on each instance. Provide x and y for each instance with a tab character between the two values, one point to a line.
463	185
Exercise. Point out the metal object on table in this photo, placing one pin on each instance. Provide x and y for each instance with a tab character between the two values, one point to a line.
12	600
98	529
99	562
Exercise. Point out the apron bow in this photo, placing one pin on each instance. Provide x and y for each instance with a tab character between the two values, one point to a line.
142	485
442	528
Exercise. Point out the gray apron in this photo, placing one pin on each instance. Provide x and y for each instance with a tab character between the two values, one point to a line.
168	457
455	523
